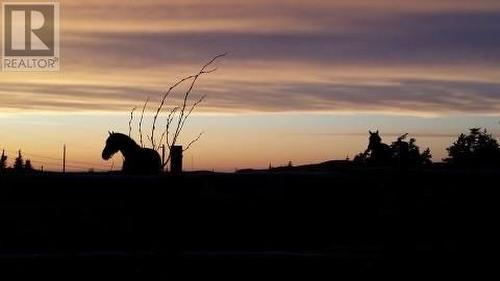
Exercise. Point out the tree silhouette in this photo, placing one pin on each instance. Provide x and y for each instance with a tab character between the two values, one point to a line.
408	153
401	151
426	156
176	116
19	162
417	158
478	148
3	161
27	166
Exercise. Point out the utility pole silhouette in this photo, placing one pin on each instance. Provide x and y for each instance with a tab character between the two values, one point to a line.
64	159
162	154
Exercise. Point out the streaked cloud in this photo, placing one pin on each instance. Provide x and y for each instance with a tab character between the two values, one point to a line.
397	97
404	57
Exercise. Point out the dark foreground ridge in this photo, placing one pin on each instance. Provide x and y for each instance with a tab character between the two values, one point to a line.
239	225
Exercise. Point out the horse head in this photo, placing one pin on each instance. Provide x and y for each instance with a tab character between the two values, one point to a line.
113	144
375	139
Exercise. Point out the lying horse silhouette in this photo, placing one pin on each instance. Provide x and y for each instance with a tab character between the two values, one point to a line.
138	160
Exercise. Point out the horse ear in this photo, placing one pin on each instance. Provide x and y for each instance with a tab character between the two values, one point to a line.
369	131
109	132
376	132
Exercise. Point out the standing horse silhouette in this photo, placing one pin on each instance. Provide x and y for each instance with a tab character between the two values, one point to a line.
380	153
138	160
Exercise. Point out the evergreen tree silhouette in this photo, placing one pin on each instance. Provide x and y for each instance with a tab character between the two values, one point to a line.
3	161
426	157
19	162
417	158
27	166
478	148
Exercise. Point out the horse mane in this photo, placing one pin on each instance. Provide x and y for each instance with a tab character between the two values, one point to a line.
124	138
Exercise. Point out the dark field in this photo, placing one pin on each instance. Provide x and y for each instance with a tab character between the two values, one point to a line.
255	224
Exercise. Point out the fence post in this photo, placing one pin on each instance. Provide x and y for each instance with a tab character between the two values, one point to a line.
176	159
64	159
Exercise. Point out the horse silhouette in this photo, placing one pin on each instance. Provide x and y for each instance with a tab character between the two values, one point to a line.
380	153
138	160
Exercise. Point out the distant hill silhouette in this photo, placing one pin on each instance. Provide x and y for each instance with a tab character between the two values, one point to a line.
476	150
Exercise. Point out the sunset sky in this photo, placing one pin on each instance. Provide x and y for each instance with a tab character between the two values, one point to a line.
304	81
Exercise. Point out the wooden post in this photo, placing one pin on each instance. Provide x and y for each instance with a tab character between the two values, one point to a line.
176	159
